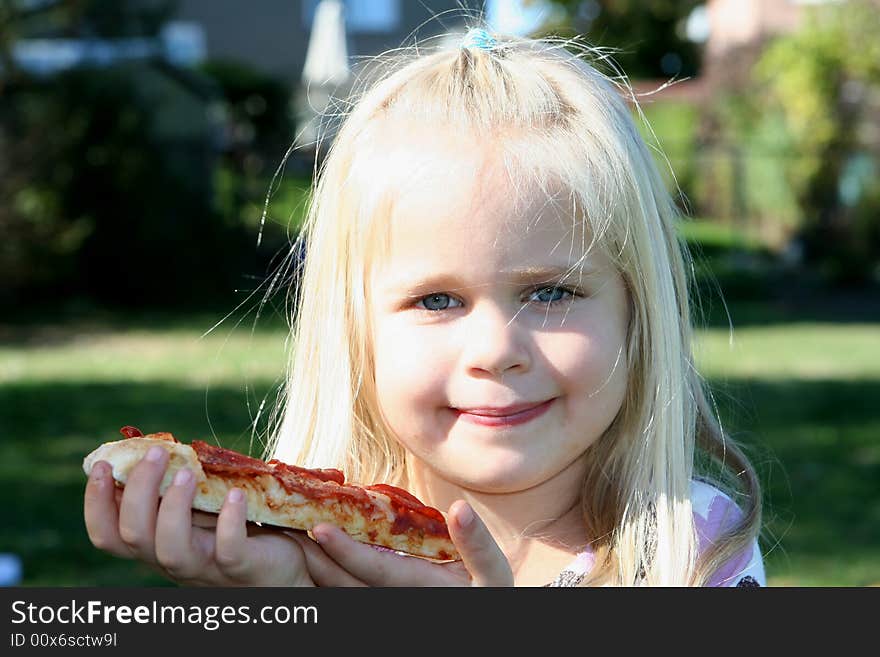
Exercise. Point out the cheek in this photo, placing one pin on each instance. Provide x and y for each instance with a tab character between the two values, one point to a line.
590	362
410	373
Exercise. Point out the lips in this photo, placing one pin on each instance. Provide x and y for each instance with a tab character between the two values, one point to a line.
501	411
504	416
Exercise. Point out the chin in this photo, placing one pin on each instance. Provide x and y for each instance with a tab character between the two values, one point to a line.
500	481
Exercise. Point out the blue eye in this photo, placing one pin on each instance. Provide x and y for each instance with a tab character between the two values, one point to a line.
435	302
554	291
550	295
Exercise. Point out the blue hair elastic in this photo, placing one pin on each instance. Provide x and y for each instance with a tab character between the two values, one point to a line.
478	38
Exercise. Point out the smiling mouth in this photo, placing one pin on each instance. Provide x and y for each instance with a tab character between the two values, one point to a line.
492	418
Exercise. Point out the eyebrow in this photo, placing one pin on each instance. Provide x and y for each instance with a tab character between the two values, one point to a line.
413	284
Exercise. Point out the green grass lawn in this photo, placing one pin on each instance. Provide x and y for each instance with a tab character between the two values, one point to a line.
803	398
801	394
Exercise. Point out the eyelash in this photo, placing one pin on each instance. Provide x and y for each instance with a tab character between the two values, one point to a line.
574	294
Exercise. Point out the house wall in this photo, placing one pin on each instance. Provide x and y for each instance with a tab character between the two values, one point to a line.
736	23
272	35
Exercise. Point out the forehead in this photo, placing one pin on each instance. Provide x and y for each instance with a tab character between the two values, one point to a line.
459	204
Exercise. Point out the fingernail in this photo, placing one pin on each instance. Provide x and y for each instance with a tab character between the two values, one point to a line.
235	496
155	454
183	477
465	516
98	474
320	537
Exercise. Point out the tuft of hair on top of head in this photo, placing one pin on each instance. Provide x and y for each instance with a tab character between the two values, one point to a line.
469	43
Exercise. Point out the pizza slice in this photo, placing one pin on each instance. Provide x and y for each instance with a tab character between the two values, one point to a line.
289	496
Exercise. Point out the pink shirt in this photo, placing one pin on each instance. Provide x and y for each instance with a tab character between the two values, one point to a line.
714	513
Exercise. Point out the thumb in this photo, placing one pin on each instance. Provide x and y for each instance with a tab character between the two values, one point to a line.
480	553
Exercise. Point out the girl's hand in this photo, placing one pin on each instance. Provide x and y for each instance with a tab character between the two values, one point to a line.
338	560
190	548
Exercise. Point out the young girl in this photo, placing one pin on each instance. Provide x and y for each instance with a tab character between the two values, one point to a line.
494	315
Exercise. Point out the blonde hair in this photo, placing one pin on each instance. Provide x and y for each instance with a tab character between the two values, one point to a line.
555	118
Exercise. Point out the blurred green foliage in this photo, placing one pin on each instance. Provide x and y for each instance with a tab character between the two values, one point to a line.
256	110
825	79
648	37
110	180
135	183
143	184
672	127
812	103
259	129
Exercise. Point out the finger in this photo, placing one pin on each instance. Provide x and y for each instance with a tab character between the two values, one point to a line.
175	550
101	511
140	504
323	570
480	553
230	550
374	567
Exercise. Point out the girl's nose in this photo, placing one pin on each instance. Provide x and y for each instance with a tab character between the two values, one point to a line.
495	343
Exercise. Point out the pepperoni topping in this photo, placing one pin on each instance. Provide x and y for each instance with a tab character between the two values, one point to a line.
220	460
411	514
134	432
328	474
405	496
314	484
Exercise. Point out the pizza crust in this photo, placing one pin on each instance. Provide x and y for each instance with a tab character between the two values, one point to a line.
268	502
123	455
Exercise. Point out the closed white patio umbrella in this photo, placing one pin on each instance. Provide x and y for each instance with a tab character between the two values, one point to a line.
326	72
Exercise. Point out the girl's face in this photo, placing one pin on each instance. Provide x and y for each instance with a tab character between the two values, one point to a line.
466	315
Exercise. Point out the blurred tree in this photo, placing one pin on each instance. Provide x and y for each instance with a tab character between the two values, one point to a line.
82	18
115	18
825	81
258	115
259	128
107	172
650	34
111	189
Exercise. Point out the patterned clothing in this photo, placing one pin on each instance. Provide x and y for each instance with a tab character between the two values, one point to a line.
714	512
